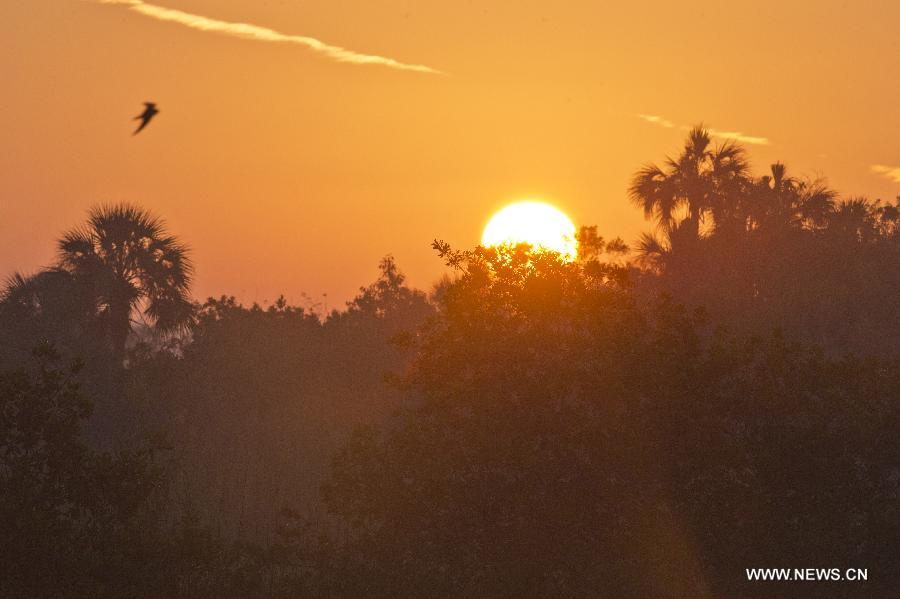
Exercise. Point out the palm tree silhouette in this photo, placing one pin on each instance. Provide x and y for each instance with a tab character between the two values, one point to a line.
132	267
48	306
781	201
703	182
854	219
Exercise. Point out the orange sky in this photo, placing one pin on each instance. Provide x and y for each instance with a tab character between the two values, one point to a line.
290	172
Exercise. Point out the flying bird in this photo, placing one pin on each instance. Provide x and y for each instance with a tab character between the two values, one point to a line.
150	111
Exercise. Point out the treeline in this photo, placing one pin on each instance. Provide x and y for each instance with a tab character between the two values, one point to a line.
771	251
638	423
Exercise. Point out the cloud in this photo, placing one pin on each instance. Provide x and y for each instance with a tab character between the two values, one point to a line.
888	172
735	135
738	136
656	120
262	34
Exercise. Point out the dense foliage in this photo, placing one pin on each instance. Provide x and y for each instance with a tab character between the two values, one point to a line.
644	423
561	442
774	251
70	517
260	399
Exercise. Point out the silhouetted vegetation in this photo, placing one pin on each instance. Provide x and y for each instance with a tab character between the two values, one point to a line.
75	522
259	399
558	440
644	423
768	252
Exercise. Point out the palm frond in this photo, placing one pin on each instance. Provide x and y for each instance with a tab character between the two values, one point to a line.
651	251
172	313
645	187
14	286
76	247
697	142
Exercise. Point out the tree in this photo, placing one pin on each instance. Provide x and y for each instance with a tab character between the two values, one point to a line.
74	522
132	266
260	397
780	202
558	440
49	306
702	186
777	252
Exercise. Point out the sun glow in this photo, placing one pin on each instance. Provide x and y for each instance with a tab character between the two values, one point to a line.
538	224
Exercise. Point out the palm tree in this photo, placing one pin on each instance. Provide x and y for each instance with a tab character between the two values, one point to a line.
132	267
49	306
815	204
855	219
651	251
703	183
654	251
781	201
52	294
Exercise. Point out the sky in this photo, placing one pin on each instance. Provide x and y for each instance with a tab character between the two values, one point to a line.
294	152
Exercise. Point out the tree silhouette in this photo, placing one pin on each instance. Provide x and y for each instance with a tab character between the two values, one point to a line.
132	266
47	306
557	438
273	391
775	252
535	428
694	187
779	201
68	512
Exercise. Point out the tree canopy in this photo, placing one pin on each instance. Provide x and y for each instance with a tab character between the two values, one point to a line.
645	422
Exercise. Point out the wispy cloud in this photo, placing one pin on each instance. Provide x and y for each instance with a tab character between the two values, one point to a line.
888	172
738	136
262	34
656	120
735	135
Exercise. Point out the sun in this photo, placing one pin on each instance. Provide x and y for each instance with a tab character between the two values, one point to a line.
538	224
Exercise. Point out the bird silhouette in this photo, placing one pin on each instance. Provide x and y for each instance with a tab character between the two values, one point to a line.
150	111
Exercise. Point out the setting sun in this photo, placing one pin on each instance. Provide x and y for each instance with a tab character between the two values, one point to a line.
536	223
